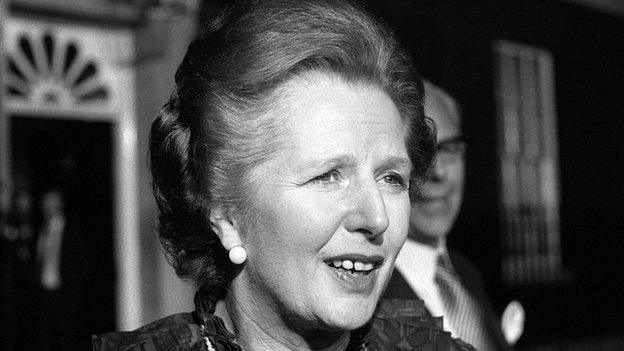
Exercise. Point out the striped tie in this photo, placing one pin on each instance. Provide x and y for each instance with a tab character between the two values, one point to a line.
462	311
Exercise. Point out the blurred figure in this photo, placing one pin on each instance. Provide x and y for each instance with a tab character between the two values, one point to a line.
7	316
16	236
21	223
16	222
5	197
449	284
50	240
61	271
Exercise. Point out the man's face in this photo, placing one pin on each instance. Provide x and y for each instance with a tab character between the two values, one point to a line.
432	217
51	204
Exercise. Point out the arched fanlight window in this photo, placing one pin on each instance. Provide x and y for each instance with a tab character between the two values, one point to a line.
43	70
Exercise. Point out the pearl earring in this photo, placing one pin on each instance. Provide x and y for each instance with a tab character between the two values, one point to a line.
238	255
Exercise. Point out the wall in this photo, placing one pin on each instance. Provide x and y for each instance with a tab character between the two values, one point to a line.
161	43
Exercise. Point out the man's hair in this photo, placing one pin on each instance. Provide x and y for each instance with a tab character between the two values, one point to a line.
435	95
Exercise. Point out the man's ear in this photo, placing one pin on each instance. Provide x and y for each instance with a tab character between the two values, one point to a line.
225	227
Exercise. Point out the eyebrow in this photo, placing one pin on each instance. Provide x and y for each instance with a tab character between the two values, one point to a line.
348	159
390	162
452	139
396	162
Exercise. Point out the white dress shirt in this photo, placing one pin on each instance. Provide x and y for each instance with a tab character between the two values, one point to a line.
49	248
417	264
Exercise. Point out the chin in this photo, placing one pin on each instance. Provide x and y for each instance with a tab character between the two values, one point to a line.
438	233
441	227
349	313
352	317
348	306
432	229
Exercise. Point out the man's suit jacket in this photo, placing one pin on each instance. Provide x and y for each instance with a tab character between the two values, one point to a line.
398	288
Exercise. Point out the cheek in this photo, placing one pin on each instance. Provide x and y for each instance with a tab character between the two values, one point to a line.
457	173
293	226
398	210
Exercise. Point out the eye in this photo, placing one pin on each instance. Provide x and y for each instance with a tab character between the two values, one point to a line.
327	177
455	146
396	180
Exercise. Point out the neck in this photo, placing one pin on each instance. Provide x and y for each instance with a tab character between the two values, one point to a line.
258	328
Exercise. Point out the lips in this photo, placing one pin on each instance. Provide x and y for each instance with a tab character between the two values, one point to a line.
357	266
356	273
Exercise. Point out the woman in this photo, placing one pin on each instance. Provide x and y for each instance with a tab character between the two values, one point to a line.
281	167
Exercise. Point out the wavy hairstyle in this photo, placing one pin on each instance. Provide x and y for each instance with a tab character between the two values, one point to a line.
218	123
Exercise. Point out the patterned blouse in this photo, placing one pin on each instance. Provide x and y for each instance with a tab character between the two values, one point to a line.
396	325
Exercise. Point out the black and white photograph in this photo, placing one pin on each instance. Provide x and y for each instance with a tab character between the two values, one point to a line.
345	175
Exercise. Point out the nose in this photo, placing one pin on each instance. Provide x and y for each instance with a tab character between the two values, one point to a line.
367	213
438	172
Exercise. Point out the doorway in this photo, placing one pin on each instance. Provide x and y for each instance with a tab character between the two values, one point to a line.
75	158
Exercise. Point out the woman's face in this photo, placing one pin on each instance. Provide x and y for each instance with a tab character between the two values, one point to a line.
331	209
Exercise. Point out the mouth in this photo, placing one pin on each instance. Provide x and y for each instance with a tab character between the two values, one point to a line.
436	196
356	272
355	266
436	202
438	199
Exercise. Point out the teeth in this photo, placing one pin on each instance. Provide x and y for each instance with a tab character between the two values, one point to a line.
356	265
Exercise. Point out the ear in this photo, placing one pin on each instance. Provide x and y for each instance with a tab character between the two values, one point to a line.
225	227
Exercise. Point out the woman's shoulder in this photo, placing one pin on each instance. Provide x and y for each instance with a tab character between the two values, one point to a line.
175	332
401	324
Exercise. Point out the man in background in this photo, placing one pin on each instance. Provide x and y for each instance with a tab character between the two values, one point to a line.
61	259
16	266
449	285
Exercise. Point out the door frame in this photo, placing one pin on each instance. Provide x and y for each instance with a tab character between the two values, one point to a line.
119	110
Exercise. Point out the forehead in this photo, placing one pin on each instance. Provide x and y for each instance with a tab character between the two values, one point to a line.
440	107
322	106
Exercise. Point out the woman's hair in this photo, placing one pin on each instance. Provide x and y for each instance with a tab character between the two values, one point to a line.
218	125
